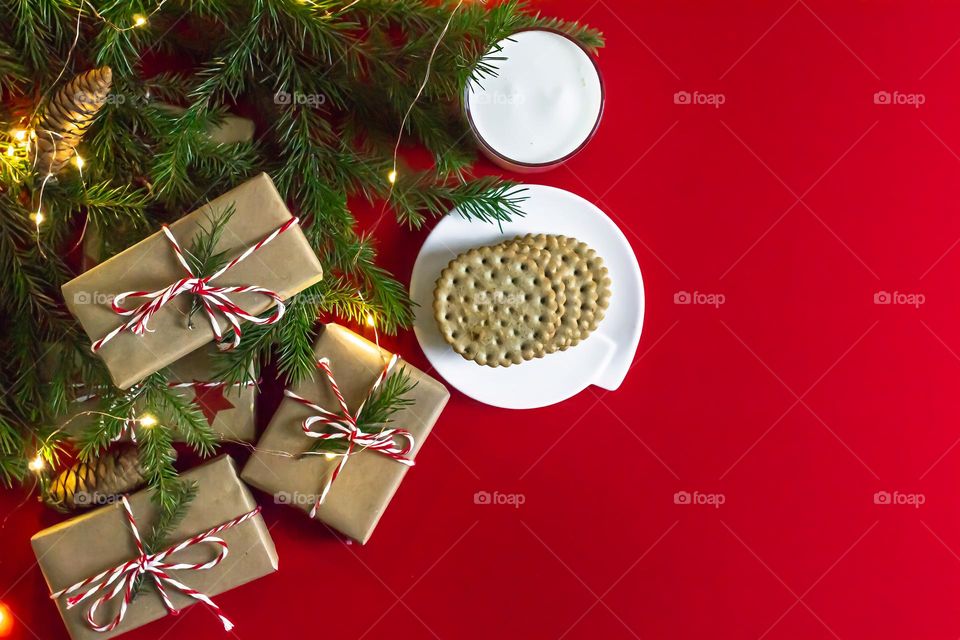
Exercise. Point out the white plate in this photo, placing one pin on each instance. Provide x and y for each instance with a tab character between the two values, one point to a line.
602	359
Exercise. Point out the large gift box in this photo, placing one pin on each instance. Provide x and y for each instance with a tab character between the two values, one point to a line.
368	478
276	262
228	408
84	551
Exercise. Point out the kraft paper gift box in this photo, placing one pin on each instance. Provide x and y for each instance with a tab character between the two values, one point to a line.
286	266
84	546
231	407
368	481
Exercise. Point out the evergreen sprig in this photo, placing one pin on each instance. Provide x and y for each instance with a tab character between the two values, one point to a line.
378	411
182	496
175	414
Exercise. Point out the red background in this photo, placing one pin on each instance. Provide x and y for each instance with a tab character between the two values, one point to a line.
796	400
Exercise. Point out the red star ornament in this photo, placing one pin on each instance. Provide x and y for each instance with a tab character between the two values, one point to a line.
211	400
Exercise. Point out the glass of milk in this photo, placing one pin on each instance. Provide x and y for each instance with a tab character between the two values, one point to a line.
543	106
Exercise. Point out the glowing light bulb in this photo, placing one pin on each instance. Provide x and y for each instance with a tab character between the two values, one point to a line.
79	162
392	176
139	20
38	218
329	456
11	150
147	420
370	319
19	135
36	464
6	621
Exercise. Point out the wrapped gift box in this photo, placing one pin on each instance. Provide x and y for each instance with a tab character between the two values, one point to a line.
366	484
287	265
86	545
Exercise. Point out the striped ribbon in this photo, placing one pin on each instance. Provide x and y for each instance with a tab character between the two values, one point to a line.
345	427
210	384
211	297
122	578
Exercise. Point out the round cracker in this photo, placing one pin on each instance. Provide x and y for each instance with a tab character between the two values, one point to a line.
496	306
556	271
587	288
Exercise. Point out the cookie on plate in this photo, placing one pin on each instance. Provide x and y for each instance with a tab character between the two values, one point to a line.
587	291
496	306
551	260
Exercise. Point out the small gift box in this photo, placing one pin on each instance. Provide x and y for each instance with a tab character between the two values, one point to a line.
95	563
348	489
228	408
135	306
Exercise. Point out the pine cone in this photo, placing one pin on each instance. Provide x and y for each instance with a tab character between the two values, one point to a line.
66	118
93	483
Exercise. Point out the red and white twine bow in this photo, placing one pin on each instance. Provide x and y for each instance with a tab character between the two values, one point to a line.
122	578
345	427
211	297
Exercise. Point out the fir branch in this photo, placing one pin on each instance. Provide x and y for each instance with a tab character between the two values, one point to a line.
589	38
379	409
113	410
241	365
156	458
202	256
41	29
176	415
226	164
293	336
184	415
354	258
106	206
486	199
341	299
181	497
12	73
295	359
13	468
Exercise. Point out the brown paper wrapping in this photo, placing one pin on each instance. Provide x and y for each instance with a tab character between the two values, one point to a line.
101	539
368	481
287	265
237	423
